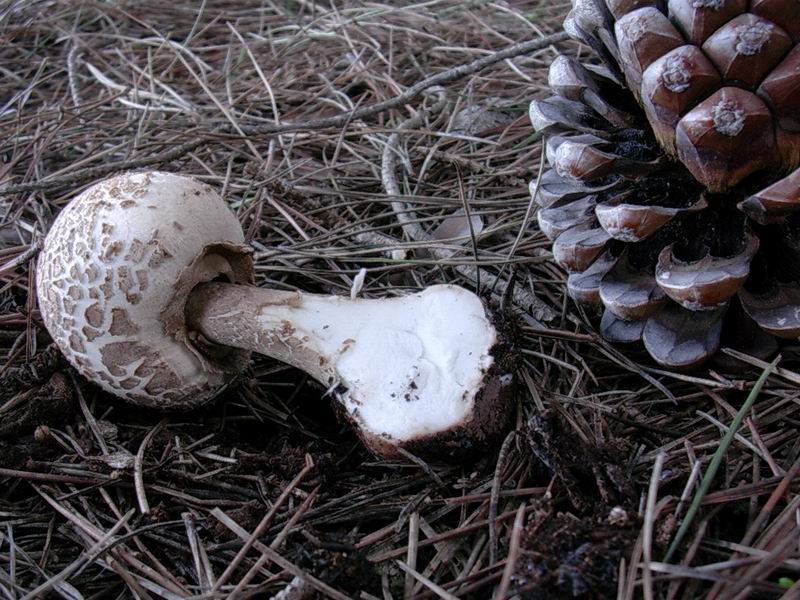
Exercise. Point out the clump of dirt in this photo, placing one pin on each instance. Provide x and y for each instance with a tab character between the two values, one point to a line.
573	541
590	473
284	458
48	404
349	572
20	452
14	455
33	396
247	516
566	556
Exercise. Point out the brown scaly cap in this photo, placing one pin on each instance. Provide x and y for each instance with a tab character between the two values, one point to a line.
115	272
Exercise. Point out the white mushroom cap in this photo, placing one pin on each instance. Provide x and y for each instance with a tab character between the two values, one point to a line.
114	275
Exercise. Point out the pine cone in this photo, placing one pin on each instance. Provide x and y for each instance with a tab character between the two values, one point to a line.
673	197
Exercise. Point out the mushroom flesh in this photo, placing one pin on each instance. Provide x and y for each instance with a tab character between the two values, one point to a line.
146	285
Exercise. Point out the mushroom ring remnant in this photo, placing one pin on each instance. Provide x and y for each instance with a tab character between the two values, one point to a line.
146	285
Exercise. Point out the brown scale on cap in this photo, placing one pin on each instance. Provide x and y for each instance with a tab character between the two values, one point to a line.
703	184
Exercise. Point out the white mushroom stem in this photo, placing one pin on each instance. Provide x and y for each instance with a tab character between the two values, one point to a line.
403	367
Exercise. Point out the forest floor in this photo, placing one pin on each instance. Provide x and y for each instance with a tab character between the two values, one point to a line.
610	457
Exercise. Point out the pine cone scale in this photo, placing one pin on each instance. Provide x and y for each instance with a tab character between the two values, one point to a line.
651	221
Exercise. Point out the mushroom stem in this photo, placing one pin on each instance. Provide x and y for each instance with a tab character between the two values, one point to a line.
288	326
405	366
314	332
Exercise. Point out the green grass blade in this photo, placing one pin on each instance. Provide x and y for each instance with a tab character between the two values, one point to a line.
716	461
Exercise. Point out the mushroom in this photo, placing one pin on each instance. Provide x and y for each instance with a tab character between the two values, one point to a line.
146	285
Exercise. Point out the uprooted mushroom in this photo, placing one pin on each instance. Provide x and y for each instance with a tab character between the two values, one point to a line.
146	285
